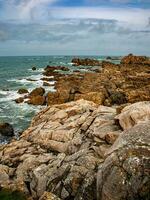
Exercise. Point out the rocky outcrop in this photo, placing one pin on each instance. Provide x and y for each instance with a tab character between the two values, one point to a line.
36	97
118	84
77	151
53	70
134	114
6	129
38	91
125	172
22	91
131	59
85	62
37	100
108	84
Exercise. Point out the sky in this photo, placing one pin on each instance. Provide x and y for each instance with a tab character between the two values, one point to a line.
74	27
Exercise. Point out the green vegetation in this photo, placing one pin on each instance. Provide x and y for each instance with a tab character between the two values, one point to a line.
11	195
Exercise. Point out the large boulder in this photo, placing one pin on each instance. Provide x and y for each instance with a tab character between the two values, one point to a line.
33	68
134	114
6	129
125	173
37	92
37	100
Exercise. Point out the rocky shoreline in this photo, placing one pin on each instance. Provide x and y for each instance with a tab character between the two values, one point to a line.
91	142
107	84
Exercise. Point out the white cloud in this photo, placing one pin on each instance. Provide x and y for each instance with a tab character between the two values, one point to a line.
131	16
25	10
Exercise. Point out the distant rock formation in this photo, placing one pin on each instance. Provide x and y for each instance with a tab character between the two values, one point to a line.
85	62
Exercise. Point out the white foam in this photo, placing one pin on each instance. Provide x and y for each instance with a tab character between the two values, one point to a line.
48	76
70	63
51	82
9	95
2	92
37	70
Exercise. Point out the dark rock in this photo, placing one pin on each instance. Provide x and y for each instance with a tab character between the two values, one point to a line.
29	79
19	100
33	68
6	129
22	91
5	89
118	98
108	58
47	79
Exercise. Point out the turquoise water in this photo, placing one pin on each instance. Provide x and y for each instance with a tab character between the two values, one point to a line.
14	72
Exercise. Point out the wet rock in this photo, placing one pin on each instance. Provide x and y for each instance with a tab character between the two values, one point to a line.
37	100
34	68
37	92
6	129
29	79
22	91
19	100
53	70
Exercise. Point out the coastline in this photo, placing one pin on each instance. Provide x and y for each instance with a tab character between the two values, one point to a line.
73	146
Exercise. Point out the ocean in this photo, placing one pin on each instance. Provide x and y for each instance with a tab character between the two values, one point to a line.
14	72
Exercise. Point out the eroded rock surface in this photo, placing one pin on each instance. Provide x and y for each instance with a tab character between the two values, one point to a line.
125	173
69	147
134	114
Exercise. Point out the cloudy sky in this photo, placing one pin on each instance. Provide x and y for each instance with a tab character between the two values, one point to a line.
74	27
